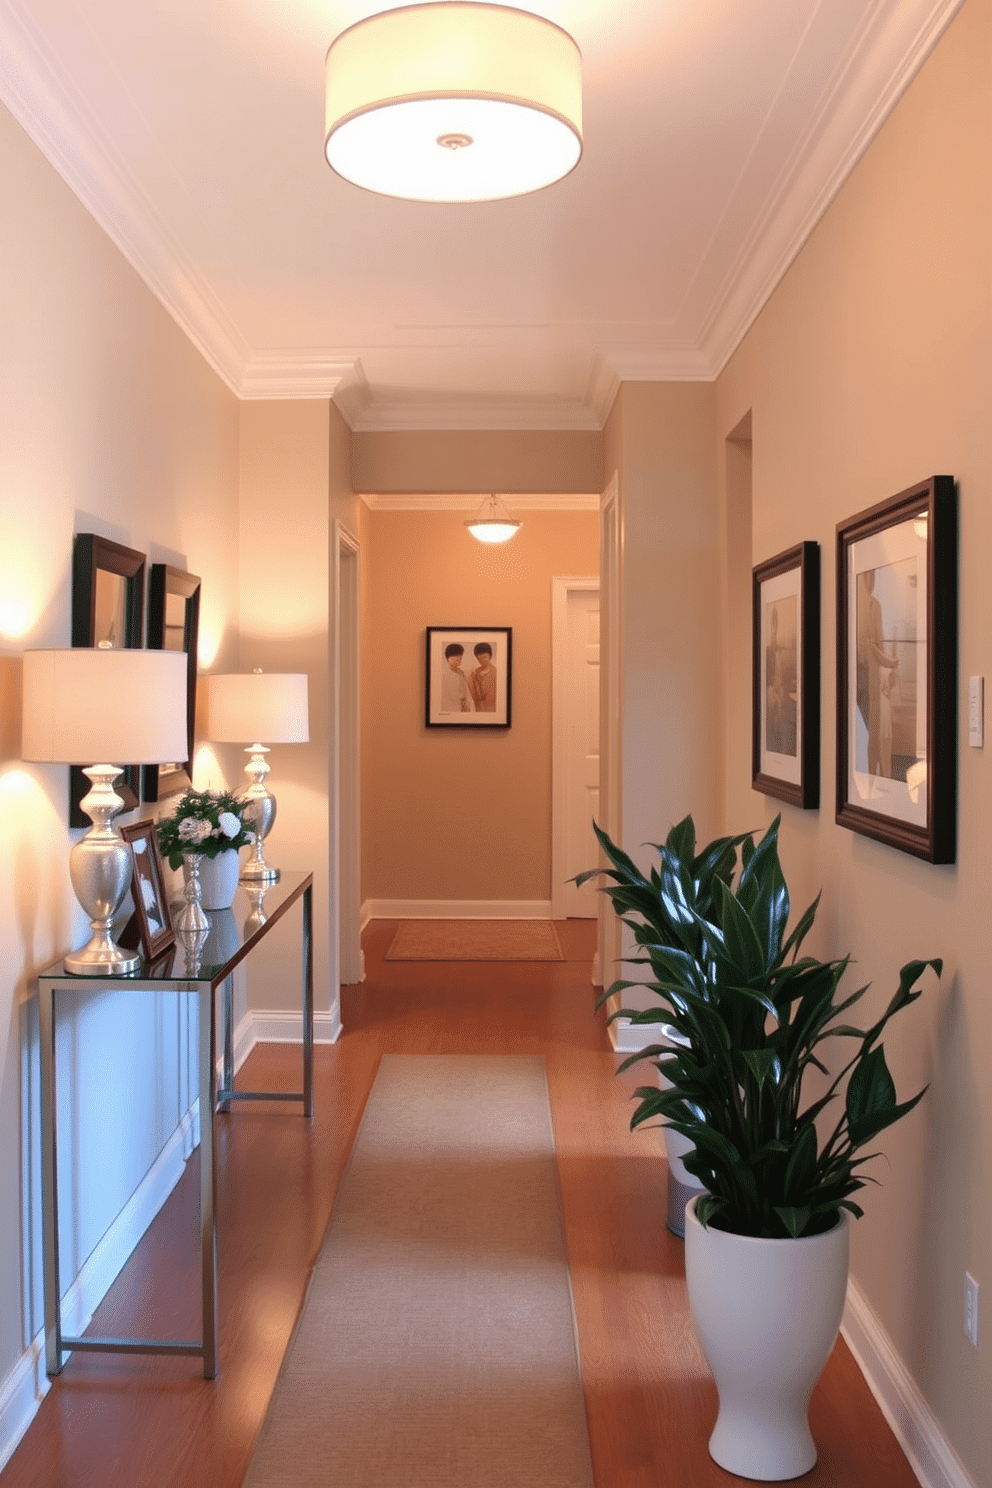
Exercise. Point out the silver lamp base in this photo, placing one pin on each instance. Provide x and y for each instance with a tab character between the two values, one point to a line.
100	870
262	814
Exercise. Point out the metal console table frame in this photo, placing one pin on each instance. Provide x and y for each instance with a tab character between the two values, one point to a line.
183	969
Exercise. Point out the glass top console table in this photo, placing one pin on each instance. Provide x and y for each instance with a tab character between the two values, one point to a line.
202	968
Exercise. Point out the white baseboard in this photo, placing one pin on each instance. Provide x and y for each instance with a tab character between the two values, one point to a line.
917	1429
629	1038
102	1267
277	1027
456	909
27	1384
21	1393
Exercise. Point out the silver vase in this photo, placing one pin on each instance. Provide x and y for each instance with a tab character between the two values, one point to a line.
191	919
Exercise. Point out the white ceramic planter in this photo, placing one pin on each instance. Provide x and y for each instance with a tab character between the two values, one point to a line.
767	1313
219	879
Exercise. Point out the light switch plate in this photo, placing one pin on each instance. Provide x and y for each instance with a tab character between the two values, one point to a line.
976	712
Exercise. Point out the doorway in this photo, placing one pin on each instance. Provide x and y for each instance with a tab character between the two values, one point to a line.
345	949
575	762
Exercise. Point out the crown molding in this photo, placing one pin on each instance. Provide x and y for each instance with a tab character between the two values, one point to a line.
469	502
898	38
48	108
305	374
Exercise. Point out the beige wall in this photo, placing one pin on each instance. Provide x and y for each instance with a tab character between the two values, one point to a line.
449	814
659	442
869	370
110	422
518	460
294	464
670	608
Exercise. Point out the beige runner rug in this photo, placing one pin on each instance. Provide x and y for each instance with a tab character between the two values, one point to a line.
475	940
437	1347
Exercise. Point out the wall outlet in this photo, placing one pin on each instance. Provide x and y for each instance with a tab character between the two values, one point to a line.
971	1308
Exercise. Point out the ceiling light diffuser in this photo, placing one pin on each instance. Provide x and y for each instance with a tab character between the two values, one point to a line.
492	523
453	102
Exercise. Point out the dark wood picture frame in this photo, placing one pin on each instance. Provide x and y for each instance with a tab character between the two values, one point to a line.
785	686
897	671
458	698
104	613
151	901
165	583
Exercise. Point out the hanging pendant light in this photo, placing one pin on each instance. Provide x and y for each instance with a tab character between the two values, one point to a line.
492	523
453	102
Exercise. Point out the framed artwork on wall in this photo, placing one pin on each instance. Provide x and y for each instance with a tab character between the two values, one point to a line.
468	676
151	902
897	671
785	668
108	593
173	625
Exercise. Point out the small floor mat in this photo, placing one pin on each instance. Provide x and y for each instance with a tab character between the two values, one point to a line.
475	940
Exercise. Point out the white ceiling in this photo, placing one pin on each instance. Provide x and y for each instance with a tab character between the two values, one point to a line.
716	133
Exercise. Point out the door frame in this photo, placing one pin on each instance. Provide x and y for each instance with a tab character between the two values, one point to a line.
611	539
346	964
561	588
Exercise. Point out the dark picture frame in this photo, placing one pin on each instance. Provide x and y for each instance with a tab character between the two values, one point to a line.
151	901
897	580
785	696
174	625
476	693
108	592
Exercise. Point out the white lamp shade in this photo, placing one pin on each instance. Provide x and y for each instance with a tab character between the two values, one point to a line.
453	101
262	707
87	706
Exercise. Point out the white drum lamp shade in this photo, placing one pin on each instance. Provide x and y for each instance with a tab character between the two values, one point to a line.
258	709
453	102
268	706
104	706
89	705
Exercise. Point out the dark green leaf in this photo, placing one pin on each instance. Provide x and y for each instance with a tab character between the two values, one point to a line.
795	1220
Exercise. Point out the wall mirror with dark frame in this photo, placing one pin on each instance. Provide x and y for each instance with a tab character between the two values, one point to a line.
108	592
173	625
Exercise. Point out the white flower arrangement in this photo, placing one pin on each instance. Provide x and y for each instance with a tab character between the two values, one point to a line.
206	823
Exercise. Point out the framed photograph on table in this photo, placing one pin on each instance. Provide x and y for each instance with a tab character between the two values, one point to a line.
785	709
151	902
468	676
897	671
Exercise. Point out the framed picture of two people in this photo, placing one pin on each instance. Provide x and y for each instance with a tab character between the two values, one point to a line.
468	676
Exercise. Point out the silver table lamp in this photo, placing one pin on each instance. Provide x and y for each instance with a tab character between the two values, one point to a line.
97	704
258	705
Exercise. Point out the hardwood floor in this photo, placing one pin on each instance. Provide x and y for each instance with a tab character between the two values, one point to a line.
146	1422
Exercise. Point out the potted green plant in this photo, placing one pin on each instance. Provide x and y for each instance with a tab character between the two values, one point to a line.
205	833
747	1019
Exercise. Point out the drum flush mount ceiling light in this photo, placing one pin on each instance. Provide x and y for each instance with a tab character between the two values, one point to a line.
453	102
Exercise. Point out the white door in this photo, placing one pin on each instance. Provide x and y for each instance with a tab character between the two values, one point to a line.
575	604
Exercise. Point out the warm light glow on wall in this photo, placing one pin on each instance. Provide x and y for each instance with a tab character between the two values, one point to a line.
208	772
207	645
17	783
17	616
